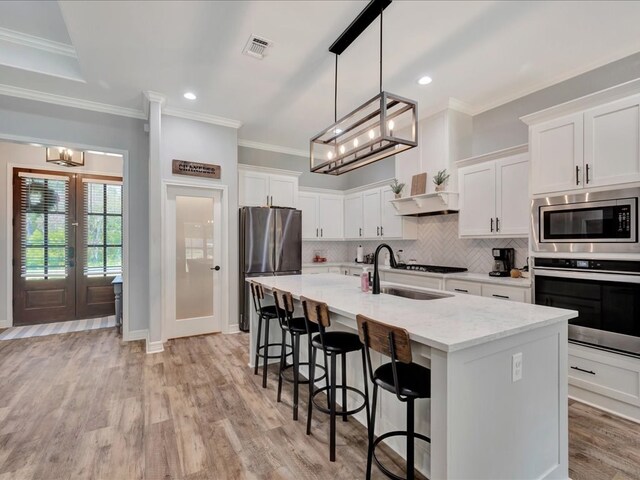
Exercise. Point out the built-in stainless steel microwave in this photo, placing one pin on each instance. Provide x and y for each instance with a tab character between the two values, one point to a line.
594	222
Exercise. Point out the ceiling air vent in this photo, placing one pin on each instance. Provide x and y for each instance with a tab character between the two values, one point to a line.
256	47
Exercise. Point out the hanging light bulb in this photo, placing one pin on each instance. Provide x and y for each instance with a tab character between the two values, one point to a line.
391	125
329	155
355	143
372	134
342	149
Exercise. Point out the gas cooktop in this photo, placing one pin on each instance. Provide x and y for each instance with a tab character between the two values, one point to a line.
430	268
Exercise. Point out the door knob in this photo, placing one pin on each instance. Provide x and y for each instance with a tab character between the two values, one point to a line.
216	268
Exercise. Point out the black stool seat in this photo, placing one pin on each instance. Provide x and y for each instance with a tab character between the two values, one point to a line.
299	325
414	380
337	342
269	311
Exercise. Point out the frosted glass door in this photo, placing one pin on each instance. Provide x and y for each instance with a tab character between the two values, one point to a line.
193	255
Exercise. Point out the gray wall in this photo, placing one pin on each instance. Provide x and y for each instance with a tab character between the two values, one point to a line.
71	126
381	170
501	127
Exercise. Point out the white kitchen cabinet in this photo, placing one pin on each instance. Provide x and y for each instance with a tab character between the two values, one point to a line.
477	199
513	208
462	286
423	281
257	188
371	213
557	154
505	292
308	203
612	143
353	216
494	198
322	216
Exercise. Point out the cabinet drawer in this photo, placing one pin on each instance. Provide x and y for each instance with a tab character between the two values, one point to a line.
460	286
504	293
615	379
415	280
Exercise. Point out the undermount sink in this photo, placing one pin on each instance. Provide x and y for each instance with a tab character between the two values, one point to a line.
413	294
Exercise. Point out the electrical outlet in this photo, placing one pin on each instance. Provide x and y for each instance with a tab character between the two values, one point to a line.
516	367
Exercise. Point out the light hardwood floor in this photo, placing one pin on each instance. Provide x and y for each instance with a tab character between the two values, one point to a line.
86	405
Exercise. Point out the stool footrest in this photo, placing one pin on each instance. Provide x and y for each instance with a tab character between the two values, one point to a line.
341	411
395	433
305	381
278	345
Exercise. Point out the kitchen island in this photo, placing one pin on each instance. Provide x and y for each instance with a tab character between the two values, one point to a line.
484	421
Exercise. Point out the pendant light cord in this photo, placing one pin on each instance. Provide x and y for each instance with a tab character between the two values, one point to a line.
335	94
381	13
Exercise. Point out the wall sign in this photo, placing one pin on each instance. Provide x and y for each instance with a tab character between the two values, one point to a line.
195	169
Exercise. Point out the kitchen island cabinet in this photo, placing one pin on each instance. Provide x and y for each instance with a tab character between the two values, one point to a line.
484	421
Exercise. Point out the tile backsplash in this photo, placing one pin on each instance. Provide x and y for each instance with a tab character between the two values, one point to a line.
437	244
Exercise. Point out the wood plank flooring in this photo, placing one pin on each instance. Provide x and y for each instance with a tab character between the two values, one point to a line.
87	406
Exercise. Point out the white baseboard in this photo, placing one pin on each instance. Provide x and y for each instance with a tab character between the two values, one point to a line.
136	335
154	347
233	328
5	324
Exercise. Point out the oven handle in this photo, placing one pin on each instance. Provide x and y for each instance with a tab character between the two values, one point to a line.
582	275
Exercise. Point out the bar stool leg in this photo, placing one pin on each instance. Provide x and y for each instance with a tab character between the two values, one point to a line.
312	376
410	440
345	418
366	388
265	354
372	427
282	363
255	369
296	367
332	409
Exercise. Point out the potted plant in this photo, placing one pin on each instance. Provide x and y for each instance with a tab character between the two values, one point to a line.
440	179
396	187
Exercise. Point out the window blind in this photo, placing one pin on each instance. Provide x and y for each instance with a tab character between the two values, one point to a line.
102	228
44	210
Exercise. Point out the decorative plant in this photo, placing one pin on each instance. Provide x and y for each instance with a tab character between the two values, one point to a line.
441	177
396	187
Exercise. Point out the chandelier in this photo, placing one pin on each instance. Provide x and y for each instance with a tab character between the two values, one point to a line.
383	126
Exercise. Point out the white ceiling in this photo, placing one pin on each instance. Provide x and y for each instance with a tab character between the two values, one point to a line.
480	53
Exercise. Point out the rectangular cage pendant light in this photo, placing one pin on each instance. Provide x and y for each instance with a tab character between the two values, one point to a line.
381	127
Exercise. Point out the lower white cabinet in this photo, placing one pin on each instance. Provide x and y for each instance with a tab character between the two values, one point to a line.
605	379
505	292
322	216
462	286
415	280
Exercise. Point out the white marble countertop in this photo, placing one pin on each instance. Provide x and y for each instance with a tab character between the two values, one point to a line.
468	276
449	324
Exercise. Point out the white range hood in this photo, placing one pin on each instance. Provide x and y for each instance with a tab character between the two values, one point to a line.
437	203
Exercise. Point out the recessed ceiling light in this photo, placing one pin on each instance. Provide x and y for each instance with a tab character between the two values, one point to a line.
425	80
190	96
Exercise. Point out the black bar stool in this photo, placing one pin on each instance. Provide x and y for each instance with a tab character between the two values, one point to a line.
408	380
332	344
265	315
296	328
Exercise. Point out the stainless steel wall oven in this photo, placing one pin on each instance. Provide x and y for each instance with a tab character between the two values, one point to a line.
606	293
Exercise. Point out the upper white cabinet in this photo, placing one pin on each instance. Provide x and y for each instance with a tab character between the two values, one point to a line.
322	216
592	141
258	188
380	219
612	142
353	216
556	154
494	198
371	213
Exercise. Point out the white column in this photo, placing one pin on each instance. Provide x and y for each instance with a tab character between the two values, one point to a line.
154	339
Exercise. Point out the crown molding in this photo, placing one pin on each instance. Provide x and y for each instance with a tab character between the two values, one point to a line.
202	117
485	157
38	43
45	97
273	148
156	97
275	171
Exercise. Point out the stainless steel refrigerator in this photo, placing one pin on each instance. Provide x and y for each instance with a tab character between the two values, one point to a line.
270	244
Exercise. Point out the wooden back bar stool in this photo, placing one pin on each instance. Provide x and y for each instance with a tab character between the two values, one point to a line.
296	328
409	381
265	315
332	344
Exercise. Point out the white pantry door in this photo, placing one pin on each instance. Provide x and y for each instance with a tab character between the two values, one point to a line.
194	281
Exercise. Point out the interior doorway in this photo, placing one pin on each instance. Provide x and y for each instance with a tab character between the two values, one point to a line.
193	253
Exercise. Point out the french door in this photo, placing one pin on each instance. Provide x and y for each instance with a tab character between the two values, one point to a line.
67	245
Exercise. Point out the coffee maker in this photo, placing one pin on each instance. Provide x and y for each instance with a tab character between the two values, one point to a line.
503	259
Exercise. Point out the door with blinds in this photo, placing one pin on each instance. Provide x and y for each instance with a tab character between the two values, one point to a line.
67	245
